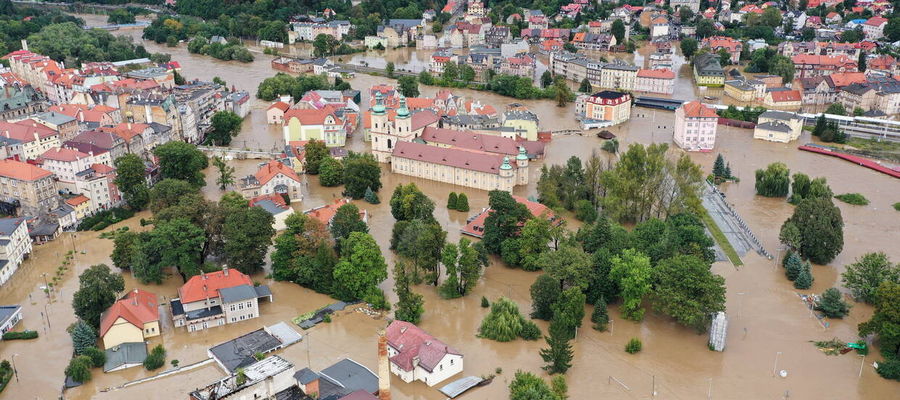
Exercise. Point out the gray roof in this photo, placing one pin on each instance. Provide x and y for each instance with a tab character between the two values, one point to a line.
44	229
54	117
238	352
708	64
125	353
774	126
237	293
305	376
352	376
6	312
262	290
784	116
270	207
9	225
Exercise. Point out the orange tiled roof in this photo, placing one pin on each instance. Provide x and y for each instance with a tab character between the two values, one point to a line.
138	307
22	171
696	109
783	96
662	73
272	169
199	287
77	200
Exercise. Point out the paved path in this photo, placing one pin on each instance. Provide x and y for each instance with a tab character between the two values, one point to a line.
738	233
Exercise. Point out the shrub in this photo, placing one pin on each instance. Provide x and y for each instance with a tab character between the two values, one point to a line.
156	359
634	345
504	323
804	279
174	363
889	369
600	316
24	335
897	206
462	203
585	211
832	305
484	302
855	199
79	369
105	218
451	201
377	300
530	331
97	356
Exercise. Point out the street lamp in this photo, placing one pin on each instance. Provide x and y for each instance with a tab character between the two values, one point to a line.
46	285
775	367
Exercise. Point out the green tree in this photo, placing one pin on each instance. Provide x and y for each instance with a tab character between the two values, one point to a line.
124	246
180	160
98	288
421	242
371	197
600	316
558	354
463	264
832	305
686	290
466	73
409	203
120	16
426	78
526	250
83	336
705	29
504	221
346	221
79	369
570	266
451	72
544	293
863	276
585	86
836	109
804	278
719	167
324	45
156	359
247	234
783	67
331	172
361	172
821	229
409	86
360	269
304	254
585	211
892	29
885	320
168	193
462	203
316	152
131	180
451	201
633	346
793	265
546	79
773	181
618	31
172	243
632	271
568	311
563	93
411	305
389	69
528	386
97	356
225	125
226	173
504	323
688	47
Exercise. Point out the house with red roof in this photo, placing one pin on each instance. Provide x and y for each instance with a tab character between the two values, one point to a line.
810	65
274	204
783	98
35	138
415	355
475	226
132	319
217	298
323	124
275	112
660	80
325	214
695	127
273	177
719	43
33	187
873	29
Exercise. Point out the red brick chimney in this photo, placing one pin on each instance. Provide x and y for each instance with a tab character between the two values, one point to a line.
384	370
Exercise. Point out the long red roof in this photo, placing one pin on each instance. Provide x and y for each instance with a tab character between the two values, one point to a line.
413	343
199	287
138	307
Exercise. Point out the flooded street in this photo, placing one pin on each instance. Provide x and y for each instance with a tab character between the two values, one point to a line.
766	315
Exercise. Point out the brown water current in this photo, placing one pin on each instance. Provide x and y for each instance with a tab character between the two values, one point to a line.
766	315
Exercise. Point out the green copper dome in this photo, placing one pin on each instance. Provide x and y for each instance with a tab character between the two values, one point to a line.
505	166
378	109
522	155
402	112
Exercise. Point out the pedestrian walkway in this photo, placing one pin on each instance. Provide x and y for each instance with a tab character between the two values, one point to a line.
732	225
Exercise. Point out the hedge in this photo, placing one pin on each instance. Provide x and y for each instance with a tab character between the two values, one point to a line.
20	335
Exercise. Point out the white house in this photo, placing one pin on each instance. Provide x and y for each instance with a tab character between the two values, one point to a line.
695	127
416	355
272	177
9	317
15	245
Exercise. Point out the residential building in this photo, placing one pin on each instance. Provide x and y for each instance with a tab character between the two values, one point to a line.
15	246
708	71
312	124
125	355
718	43
107	146
660	81
525	123
744	90
325	214
29	188
416	355
217	298
273	177
778	126
809	66
19	99
81	205
873	29
603	109
786	98
475	226
659	27
9	318
65	162
274	204
35	138
269	378
64	125
343	380
695	127
134	135
694	5
618	75
132	319
275	112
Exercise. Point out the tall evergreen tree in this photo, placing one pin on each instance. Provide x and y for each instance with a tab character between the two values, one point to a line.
719	167
411	305
600	316
462	203
558	355
793	266
451	201
804	278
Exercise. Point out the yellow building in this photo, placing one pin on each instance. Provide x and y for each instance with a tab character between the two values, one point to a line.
740	90
131	319
708	71
81	204
463	167
524	122
778	126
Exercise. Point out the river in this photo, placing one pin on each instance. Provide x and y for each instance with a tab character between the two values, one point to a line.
766	316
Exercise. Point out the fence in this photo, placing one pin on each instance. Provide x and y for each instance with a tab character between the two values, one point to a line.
736	123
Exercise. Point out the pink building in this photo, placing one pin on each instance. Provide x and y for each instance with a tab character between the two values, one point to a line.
695	127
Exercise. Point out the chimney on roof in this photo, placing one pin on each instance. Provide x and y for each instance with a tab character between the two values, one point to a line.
134	300
24	45
225	270
384	372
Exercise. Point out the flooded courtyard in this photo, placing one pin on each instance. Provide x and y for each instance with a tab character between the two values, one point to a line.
767	319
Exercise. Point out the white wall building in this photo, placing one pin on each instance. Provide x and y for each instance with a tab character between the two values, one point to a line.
15	245
416	355
695	127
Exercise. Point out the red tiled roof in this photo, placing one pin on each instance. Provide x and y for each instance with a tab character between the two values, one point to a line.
199	287
138	307
471	140
325	213
275	198
455	157
475	227
841	79
411	342
311	116
696	109
272	169
876	21
77	200
662	73
280	105
22	171
63	154
782	96
25	130
126	130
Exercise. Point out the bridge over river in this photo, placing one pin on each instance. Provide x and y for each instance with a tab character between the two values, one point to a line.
231	153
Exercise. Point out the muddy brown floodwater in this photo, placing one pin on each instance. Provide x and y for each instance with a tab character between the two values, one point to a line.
767	320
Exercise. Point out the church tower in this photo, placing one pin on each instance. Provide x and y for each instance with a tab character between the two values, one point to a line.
522	166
